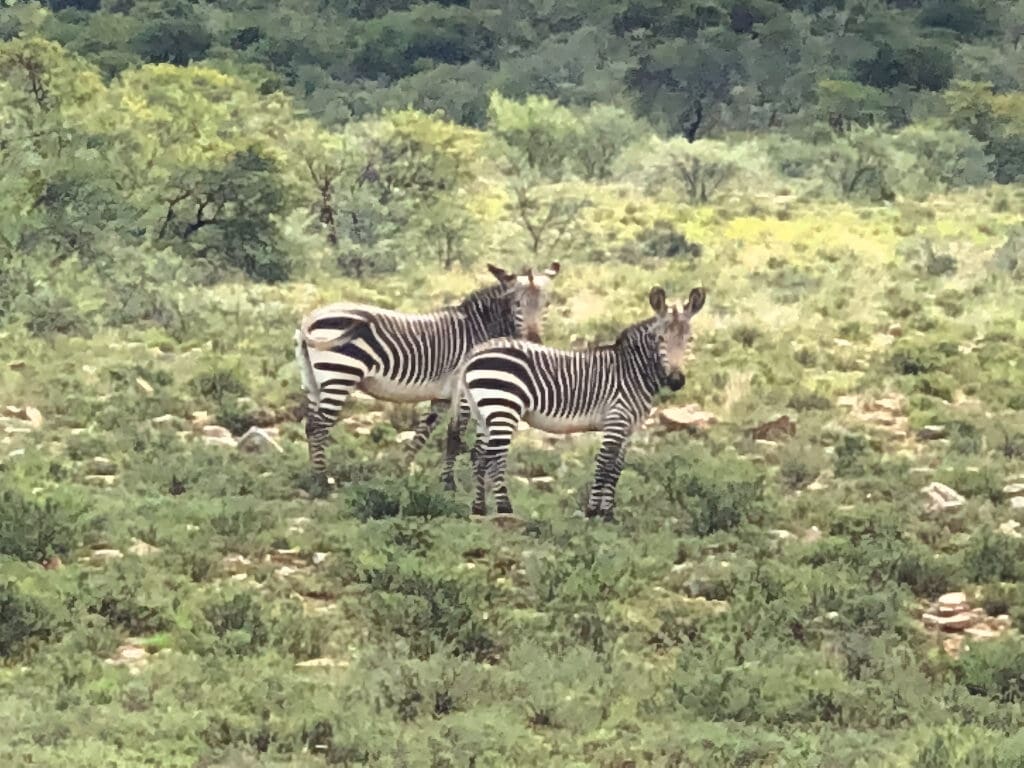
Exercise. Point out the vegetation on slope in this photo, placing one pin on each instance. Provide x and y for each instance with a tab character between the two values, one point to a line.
170	598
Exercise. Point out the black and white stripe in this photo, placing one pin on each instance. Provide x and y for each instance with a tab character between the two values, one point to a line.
402	357
608	388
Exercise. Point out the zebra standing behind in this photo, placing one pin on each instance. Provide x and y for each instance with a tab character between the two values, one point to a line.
608	388
407	358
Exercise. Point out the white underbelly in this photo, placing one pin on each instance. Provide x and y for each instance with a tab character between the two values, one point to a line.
396	392
563	425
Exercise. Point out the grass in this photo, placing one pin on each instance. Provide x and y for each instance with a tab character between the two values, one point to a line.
688	634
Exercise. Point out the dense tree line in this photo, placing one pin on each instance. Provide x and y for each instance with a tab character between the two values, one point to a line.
695	67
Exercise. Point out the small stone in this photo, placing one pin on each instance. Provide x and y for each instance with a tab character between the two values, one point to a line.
140	548
126	654
406	436
954	623
895	330
16	365
226	442
101	465
847	401
1009	528
982	632
690	418
952	602
105	555
321	662
953	644
931	432
235	563
33	416
200	418
106	480
213	430
817	485
144	386
320	557
1013	490
167	418
298	524
1017	503
257	439
781	534
942	498
811	535
364	431
774	429
543	482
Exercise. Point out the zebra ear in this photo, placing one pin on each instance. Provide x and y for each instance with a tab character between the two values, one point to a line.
695	302
658	299
552	270
501	274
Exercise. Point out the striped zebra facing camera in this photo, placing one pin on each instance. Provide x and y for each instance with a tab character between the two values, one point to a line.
608	388
407	358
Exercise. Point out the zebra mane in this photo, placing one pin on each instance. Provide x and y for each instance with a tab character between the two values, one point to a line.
630	333
482	296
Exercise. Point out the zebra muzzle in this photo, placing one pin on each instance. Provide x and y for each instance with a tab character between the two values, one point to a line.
675	381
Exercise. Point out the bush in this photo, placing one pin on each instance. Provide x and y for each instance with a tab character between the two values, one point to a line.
718	493
35	528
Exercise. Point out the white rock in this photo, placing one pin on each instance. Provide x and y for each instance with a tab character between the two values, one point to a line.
942	498
1010	529
140	548
1017	503
257	439
213	430
688	417
406	436
1013	490
101	465
104	555
144	386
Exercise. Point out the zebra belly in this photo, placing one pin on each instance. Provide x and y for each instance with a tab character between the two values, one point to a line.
563	425
399	392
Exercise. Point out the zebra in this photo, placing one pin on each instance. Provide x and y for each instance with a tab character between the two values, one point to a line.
407	358
608	388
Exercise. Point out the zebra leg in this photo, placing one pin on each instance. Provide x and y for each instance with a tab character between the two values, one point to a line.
425	427
480	467
322	417
605	474
608	502
495	459
454	444
317	435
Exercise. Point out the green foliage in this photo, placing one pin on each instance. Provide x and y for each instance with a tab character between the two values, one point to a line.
180	182
34	528
716	493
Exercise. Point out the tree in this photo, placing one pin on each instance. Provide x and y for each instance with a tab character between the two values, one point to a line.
701	170
846	104
230	216
544	132
682	84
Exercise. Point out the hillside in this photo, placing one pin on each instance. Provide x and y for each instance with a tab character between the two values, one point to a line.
174	593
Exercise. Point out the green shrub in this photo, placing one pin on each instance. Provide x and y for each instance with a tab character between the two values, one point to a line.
32	614
34	528
718	493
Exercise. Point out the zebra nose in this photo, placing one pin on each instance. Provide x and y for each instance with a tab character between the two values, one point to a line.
676	380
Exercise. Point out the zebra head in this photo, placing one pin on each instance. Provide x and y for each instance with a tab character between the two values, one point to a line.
528	295
671	333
